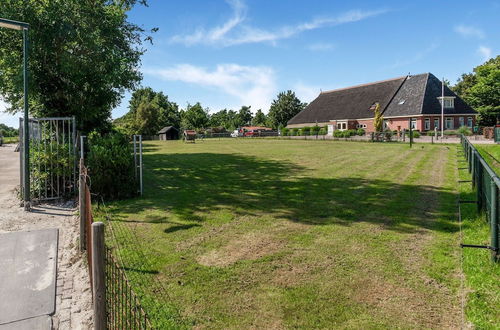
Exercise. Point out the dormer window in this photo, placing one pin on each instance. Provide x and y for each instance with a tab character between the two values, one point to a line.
449	101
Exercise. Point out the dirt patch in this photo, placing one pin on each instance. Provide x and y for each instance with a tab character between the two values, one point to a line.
250	246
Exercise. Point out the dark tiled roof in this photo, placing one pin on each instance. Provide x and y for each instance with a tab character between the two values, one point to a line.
348	103
431	102
408	100
419	92
166	129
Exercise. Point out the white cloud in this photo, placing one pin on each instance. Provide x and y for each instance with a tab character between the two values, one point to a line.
415	58
235	32
306	93
485	52
251	85
320	47
469	31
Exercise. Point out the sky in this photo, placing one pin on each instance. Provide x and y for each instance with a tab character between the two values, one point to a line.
229	53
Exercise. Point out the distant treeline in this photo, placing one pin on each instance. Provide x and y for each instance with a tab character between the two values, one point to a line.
8	131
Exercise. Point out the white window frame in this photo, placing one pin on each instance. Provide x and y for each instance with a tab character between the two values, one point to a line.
470	122
447	120
461	121
364	125
449	101
436	123
413	123
427	124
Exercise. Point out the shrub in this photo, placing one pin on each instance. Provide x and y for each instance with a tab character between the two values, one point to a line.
450	132
416	134
305	130
295	131
360	132
322	131
338	133
464	130
285	131
315	130
110	163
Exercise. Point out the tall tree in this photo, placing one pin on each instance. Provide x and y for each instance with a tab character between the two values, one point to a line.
284	108
83	56
149	111
260	119
244	116
481	90
195	117
378	119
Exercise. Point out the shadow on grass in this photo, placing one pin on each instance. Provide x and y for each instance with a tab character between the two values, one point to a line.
192	185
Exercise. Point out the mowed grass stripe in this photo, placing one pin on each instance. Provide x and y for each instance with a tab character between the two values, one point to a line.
290	233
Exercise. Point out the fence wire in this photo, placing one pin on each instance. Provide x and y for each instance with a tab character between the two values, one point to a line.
487	185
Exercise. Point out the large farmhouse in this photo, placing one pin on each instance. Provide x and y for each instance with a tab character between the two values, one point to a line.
417	98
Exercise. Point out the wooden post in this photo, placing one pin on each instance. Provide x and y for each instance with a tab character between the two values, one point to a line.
98	281
83	208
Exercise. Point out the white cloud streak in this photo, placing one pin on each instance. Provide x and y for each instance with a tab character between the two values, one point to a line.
306	93
320	47
415	58
469	31
251	85
235	32
485	52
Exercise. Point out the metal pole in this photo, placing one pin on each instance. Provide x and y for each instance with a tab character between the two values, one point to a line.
140	162
135	156
98	273
442	109
82	147
494	221
83	207
26	149
411	133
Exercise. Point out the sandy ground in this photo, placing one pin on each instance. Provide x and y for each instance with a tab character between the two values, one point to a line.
73	295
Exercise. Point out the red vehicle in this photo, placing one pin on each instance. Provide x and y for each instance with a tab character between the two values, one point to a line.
253	130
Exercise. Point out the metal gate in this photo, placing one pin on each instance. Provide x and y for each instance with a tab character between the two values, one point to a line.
52	157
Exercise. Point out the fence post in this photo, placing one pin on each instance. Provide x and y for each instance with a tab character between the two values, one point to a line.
473	168
479	184
494	220
98	280
140	162
83	208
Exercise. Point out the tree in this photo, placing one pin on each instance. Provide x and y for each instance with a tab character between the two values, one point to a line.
83	56
378	120
284	108
481	90
195	117
8	131
149	111
244	116
260	119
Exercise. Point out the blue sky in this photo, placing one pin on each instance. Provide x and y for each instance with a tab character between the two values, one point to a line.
225	54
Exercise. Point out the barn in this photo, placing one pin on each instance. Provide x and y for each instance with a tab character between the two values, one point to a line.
169	133
410	100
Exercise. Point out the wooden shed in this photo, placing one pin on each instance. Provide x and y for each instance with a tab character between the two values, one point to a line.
169	133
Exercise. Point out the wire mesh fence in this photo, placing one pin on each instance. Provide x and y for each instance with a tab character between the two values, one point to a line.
122	306
487	185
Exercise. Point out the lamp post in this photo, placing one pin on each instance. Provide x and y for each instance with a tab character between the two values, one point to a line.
20	26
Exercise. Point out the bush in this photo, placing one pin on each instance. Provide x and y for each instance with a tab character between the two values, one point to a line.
464	130
305	130
315	130
360	132
416	134
338	133
295	131
110	163
450	132
322	131
285	131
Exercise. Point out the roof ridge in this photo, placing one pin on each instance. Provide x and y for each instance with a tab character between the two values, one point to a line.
363	85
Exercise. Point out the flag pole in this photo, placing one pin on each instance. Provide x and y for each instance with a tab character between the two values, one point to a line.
442	109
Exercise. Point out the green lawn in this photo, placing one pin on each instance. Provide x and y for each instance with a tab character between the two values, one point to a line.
7	140
491	154
294	234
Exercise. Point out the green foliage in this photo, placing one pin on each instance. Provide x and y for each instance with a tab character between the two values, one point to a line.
260	119
322	131
295	131
305	131
7	131
48	162
464	130
83	56
244	116
285	131
378	120
283	108
149	111
481	90
194	117
315	130
111	166
360	132
416	134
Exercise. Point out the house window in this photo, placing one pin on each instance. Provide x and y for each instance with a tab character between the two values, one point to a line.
414	123
469	121
449	101
339	126
461	121
344	125
436	122
427	124
364	125
449	123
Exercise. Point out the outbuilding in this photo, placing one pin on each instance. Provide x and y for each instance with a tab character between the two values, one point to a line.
169	133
